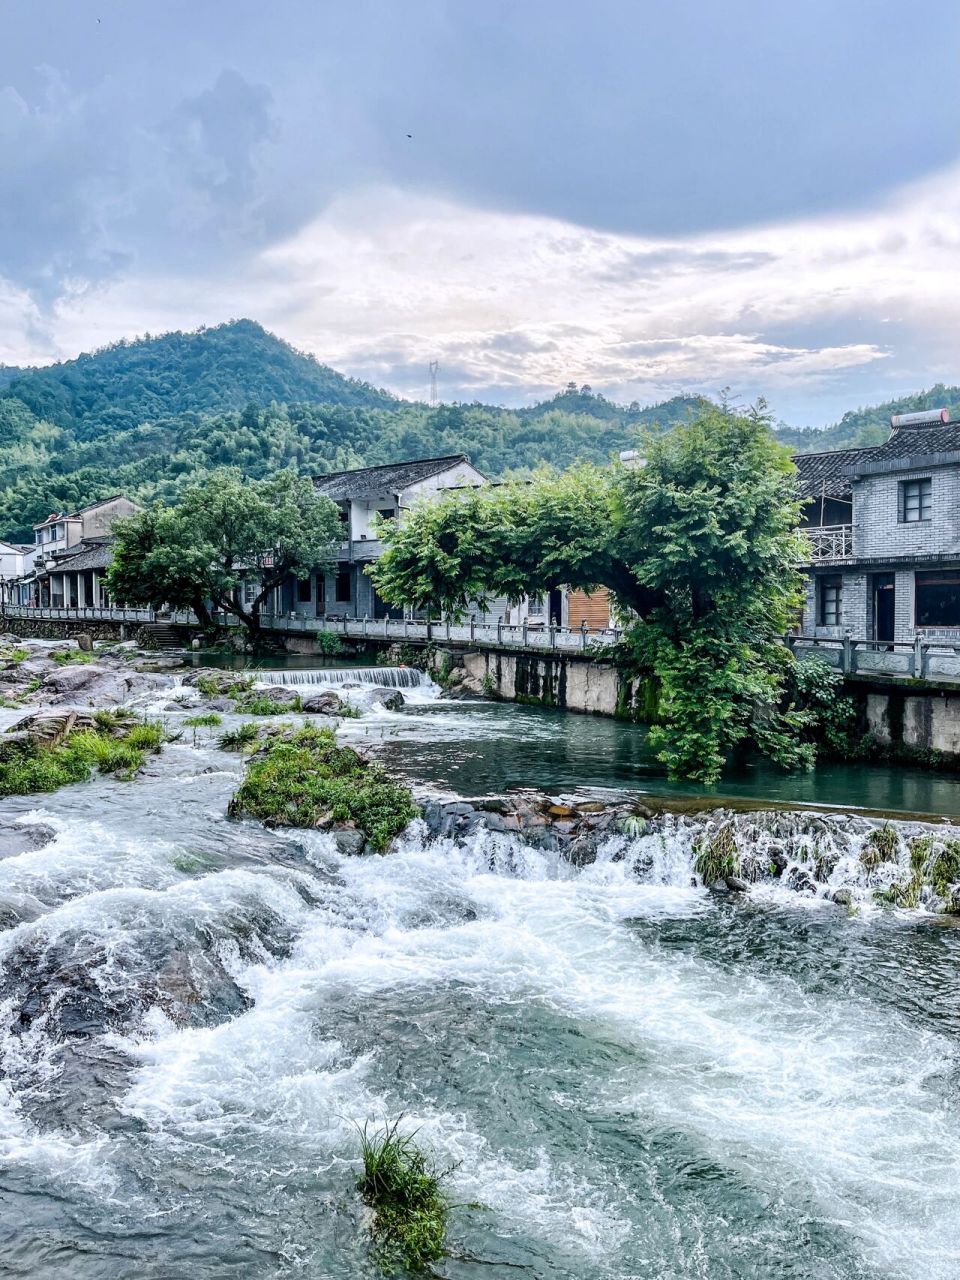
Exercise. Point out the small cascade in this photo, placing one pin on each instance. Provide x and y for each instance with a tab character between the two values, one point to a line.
380	677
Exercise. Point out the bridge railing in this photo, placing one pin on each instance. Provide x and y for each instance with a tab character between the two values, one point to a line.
922	658
55	613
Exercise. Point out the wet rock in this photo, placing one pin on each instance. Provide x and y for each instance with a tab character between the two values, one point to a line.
842	897
389	699
349	841
736	884
23	839
323	704
800	880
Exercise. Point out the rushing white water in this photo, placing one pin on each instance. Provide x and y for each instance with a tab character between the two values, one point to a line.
333	678
633	1076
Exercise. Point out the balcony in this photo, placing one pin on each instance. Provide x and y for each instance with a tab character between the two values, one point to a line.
830	543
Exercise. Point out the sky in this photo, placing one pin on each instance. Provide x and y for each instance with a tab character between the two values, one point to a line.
651	198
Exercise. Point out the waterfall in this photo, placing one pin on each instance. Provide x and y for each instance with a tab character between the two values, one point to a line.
381	677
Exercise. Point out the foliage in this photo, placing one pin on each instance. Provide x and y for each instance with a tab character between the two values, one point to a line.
303	779
261	704
226	686
225	531
329	644
699	547
206	720
72	657
241	738
717	858
881	845
15	656
404	1191
830	716
38	768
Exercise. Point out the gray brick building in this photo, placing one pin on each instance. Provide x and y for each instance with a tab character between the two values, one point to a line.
883	525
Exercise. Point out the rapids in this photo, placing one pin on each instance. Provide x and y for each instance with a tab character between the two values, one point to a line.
632	1076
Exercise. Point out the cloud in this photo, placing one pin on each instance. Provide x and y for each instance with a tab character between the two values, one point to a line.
816	314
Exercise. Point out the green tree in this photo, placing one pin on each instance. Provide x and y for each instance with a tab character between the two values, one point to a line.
226	531
698	546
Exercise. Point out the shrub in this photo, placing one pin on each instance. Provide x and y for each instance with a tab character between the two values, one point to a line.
303	779
881	845
330	644
404	1191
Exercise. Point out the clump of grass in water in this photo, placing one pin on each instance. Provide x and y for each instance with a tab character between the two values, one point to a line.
207	720
302	778
263	705
239	739
718	858
881	845
404	1192
40	768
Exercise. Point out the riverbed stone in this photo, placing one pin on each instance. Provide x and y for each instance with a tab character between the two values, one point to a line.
323	704
349	840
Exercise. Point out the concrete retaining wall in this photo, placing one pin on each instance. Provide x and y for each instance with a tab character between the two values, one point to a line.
564	681
926	721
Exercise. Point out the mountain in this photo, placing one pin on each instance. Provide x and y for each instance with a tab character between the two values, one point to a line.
207	371
146	416
871	425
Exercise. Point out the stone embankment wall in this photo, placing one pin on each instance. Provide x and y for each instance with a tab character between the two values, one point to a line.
920	720
65	629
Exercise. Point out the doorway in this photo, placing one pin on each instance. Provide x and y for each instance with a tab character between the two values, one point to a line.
884	608
555	607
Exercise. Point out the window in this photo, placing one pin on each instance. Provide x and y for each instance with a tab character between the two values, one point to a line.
343	586
937	599
304	591
535	606
387	513
830	598
915	500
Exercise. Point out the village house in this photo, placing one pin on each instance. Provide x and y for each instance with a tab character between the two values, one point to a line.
71	555
883	525
389	491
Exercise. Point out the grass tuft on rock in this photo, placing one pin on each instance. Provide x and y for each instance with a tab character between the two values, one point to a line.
403	1190
261	704
718	858
302	778
36	766
241	738
207	720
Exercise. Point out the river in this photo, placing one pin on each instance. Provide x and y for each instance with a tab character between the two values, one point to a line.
630	1075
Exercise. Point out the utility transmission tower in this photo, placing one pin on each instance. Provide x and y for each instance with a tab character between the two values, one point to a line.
434	370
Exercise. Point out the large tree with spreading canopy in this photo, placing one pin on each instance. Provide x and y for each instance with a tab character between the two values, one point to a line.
225	531
698	546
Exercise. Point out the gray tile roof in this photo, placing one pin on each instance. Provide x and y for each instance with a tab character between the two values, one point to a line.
914	446
829	473
97	555
368	482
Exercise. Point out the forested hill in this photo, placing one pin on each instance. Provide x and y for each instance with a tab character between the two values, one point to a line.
868	426
145	416
208	371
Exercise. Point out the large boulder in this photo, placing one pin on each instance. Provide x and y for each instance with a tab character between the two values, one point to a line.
93	685
323	704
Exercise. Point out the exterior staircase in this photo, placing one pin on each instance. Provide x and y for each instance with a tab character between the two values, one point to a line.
163	635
